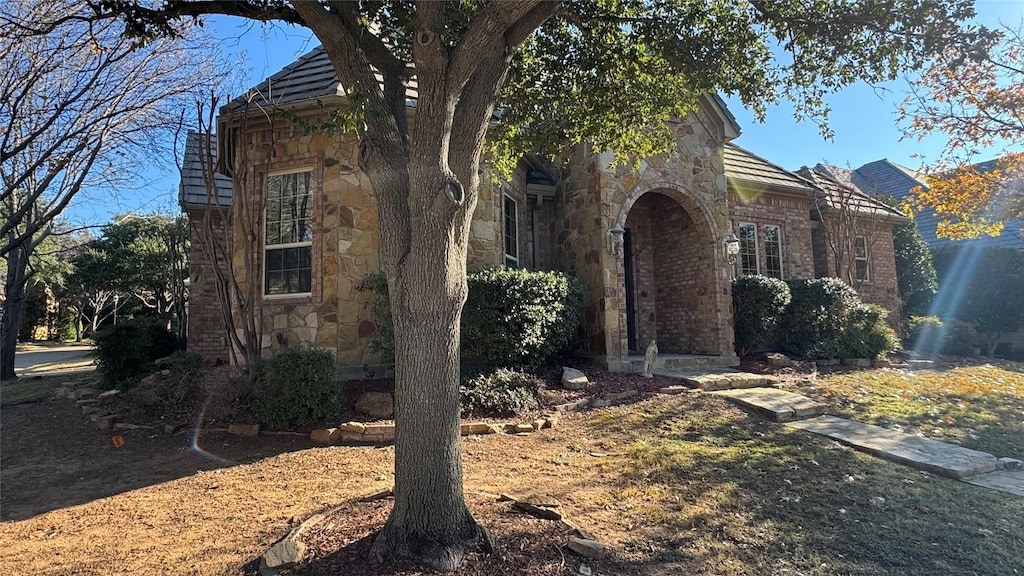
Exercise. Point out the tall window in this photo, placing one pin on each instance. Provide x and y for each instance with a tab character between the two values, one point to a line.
288	239
748	248
772	251
860	257
511	233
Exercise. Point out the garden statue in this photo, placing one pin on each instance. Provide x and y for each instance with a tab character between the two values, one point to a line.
650	357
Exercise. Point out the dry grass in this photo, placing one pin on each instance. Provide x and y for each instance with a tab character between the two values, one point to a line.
675	485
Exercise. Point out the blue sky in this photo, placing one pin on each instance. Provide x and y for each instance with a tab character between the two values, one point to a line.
863	118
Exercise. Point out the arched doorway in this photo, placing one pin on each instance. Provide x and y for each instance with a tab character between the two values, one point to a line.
669	276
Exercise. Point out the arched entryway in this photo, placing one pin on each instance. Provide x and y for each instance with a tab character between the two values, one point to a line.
669	274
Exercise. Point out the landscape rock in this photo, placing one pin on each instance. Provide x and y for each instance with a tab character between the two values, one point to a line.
857	362
539	423
325	435
62	392
475	428
284	554
778	360
882	363
172	427
357	427
523	428
573	379
588	548
1010	463
106	422
85	393
377	405
108	397
545	512
551	420
244	429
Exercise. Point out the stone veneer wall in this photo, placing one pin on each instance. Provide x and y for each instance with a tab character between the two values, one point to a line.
335	316
206	334
596	196
790	213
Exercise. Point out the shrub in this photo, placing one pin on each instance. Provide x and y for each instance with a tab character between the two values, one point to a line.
863	334
501	393
512	317
298	388
127	350
816	313
517	318
930	335
757	303
924	333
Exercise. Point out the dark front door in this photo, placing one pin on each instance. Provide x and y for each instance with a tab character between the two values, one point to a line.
628	265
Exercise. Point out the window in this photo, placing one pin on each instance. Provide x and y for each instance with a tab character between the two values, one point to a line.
511	233
772	251
288	236
748	248
860	257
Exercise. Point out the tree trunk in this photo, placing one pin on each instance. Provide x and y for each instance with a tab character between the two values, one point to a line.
17	265
429	522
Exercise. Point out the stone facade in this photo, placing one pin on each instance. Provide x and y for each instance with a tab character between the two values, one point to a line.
665	277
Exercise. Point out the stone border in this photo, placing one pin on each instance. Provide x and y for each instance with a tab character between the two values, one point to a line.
358	433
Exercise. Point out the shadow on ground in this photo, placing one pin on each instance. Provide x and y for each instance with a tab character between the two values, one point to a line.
51	458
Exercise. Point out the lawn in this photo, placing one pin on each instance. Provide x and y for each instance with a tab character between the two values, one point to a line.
682	484
977	406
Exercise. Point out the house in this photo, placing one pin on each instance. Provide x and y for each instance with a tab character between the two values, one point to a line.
886	178
651	243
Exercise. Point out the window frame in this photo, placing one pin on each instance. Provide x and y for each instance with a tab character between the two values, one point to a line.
506	199
266	247
740	256
866	258
767	256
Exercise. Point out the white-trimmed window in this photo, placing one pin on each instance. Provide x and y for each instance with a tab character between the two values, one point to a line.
860	257
511	232
772	251
288	233
748	248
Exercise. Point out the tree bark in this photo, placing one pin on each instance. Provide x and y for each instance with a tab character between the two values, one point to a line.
17	267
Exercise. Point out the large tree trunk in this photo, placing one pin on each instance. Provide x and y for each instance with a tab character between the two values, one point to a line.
17	266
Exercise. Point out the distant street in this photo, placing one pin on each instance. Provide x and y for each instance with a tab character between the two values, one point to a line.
32	356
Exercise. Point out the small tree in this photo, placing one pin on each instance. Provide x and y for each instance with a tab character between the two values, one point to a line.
975	99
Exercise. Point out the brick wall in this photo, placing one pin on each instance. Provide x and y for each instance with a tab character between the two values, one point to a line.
881	287
790	214
206	334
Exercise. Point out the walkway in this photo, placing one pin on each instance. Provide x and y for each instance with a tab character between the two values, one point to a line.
802	413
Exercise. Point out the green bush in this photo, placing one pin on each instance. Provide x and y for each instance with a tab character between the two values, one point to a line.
517	318
512	317
182	362
863	334
383	342
817	311
930	335
127	350
758	303
501	393
298	388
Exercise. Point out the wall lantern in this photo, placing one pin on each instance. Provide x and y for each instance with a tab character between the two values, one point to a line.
615	239
731	245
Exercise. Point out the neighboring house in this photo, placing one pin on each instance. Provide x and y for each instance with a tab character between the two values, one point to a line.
886	178
649	243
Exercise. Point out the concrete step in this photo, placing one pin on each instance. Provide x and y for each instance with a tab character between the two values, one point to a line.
779	405
717	378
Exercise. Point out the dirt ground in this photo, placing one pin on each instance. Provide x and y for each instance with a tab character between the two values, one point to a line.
673	484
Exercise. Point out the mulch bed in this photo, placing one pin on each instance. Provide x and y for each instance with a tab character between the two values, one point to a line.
340	544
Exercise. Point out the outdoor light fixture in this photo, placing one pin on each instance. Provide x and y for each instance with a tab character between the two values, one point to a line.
731	245
615	239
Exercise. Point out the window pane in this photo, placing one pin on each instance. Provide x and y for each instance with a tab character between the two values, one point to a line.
772	252
748	248
862	269
511	232
288	270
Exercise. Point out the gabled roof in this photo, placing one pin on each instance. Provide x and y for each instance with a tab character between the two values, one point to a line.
839	192
309	78
744	168
887	178
192	191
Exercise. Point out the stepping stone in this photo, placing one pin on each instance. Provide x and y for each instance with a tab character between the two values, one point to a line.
922	453
780	405
1010	481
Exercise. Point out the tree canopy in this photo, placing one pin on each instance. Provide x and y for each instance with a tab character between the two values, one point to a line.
607	72
977	101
